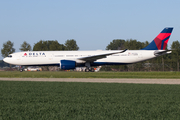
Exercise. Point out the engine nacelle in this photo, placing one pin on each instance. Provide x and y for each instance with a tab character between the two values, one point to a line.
67	64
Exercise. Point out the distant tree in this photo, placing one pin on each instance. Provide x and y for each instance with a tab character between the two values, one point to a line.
7	48
40	46
71	45
25	46
49	45
133	44
144	44
176	52
117	44
54	45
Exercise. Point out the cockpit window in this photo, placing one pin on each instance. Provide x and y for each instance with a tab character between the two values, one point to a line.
9	56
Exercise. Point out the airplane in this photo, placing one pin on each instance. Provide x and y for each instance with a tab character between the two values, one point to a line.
71	59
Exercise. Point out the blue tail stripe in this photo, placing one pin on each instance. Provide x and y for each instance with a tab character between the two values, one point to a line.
167	30
162	45
151	46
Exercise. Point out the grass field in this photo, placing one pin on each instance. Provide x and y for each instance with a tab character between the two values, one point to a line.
45	74
56	100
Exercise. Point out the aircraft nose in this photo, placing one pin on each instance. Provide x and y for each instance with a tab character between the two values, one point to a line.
5	60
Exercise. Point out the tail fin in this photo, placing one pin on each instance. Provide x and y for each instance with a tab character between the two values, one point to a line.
160	42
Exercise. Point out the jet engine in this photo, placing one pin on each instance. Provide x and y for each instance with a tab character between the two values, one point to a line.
67	64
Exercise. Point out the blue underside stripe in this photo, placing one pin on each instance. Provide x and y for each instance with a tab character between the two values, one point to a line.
104	63
92	64
107	63
55	64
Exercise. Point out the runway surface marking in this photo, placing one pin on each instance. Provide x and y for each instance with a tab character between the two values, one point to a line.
98	80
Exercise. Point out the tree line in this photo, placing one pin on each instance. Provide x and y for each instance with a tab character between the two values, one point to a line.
42	45
169	62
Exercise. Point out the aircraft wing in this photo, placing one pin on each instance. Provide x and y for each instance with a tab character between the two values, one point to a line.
100	56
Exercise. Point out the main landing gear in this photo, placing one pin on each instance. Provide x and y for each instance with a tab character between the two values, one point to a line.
88	67
89	70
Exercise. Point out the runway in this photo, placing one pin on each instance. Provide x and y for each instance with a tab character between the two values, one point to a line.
98	80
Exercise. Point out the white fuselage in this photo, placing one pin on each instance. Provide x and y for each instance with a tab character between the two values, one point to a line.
54	57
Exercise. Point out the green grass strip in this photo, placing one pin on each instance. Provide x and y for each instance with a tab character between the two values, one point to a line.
56	100
45	74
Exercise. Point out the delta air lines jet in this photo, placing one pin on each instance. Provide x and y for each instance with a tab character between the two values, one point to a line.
72	59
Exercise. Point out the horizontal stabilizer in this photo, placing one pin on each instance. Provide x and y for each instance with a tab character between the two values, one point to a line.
159	53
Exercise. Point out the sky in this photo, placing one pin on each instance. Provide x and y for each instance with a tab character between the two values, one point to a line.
92	23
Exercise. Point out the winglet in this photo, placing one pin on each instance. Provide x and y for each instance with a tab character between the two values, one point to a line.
160	42
123	51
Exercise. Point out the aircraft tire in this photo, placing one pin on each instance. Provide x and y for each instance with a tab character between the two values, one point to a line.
86	70
92	69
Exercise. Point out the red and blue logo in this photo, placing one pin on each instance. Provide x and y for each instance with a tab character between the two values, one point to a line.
160	42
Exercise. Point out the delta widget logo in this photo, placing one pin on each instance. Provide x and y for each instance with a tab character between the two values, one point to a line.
25	54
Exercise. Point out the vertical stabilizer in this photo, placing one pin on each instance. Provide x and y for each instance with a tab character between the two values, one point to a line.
160	42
